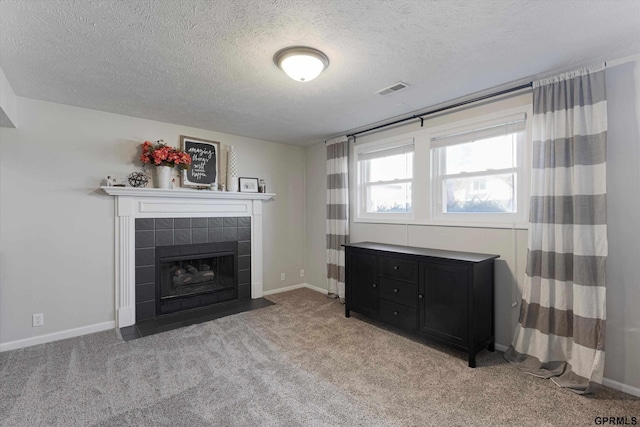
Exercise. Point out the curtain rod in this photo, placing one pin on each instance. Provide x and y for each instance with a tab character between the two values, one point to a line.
439	110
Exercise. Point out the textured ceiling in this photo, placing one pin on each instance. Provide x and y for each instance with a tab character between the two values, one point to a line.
209	64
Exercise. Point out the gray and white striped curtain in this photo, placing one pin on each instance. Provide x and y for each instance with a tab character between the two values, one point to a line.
560	334
337	213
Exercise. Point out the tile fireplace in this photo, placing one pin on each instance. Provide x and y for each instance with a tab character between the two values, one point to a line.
194	233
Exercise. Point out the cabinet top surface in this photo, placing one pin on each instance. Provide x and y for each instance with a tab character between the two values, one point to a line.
427	252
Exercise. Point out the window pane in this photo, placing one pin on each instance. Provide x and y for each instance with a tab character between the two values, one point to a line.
491	193
389	198
481	155
389	168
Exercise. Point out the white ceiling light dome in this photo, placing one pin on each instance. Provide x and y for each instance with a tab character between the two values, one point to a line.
301	63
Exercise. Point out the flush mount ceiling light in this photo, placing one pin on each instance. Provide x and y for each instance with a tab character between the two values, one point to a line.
302	64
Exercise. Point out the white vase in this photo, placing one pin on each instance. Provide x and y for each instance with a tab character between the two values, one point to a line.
232	170
163	177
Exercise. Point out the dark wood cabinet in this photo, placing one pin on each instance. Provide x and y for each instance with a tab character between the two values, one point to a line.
363	292
444	295
445	302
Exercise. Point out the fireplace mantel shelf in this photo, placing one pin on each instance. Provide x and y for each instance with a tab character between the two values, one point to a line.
184	193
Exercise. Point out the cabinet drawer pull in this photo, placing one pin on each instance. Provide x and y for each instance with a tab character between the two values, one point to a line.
395	290
374	285
420	296
395	267
395	313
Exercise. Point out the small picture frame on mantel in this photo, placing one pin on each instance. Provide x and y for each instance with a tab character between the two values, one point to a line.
248	185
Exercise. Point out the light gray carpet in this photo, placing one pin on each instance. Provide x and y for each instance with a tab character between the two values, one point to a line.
300	362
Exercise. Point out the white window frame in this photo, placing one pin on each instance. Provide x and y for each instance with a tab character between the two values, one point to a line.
522	169
361	192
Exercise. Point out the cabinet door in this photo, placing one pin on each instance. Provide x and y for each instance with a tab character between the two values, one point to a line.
443	302
362	286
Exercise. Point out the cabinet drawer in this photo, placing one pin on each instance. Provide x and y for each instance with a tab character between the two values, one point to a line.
398	315
401	269
398	292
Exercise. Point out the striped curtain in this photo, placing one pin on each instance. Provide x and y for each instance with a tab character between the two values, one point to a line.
337	213
560	332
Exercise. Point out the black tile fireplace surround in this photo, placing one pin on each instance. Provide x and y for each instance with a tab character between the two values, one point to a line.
215	234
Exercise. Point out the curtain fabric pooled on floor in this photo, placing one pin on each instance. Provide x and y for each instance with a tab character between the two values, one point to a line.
560	332
337	213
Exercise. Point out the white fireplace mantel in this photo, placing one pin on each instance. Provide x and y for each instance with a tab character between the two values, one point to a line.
132	203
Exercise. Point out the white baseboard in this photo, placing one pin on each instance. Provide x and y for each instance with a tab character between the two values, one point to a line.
56	336
625	388
634	391
501	347
290	288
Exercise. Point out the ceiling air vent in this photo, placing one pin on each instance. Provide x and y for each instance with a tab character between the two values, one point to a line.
393	88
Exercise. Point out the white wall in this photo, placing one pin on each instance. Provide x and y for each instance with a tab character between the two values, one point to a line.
315	259
622	343
57	228
623	175
8	103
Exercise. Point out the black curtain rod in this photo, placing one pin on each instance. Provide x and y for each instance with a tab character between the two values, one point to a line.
459	104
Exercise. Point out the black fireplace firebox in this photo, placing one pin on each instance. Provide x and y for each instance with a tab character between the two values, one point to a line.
196	275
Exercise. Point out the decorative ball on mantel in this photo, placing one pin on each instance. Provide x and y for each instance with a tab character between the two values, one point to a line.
138	179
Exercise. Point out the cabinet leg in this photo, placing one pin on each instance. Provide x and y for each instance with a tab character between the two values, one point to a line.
472	360
492	346
347	313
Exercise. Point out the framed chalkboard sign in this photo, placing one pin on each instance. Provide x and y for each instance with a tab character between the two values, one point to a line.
205	162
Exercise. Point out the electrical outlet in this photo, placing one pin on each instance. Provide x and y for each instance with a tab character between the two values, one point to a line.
38	319
301	273
281	276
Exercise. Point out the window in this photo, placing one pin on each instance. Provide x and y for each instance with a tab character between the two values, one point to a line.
477	173
385	178
468	168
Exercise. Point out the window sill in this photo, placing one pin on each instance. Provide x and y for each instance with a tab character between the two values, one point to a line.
413	222
401	221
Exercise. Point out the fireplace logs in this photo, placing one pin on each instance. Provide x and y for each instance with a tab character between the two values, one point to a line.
190	275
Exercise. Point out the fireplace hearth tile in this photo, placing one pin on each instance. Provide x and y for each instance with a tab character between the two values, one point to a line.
169	322
130	333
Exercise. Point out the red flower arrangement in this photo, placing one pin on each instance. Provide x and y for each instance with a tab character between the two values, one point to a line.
160	154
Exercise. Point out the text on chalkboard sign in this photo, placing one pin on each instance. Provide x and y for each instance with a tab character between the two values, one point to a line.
205	162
